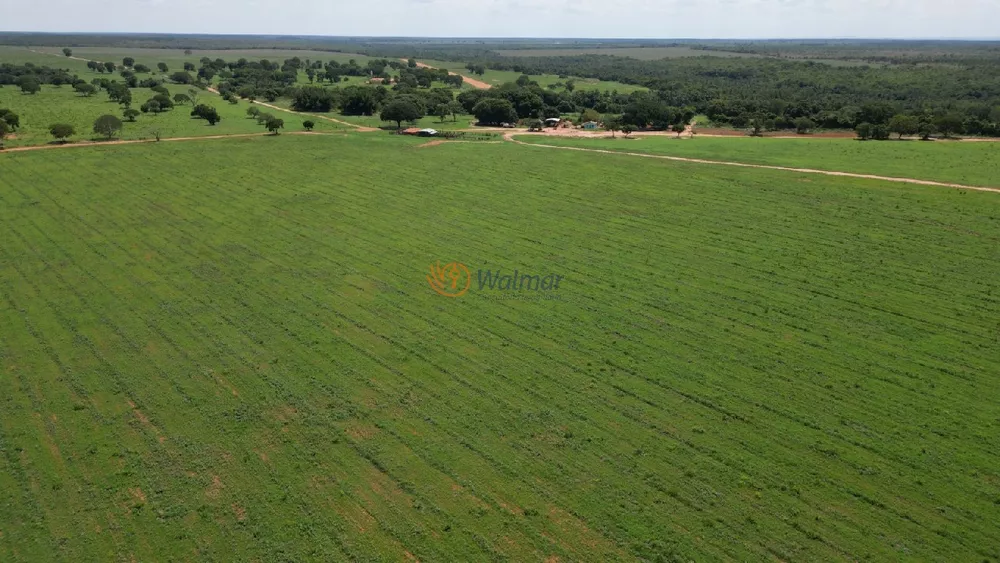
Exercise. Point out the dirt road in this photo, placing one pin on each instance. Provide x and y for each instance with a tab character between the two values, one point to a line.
162	140
470	81
510	137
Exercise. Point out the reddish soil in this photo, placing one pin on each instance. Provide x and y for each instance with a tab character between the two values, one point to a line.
766	167
470	81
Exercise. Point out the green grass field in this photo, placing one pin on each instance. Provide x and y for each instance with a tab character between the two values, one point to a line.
969	163
228	350
641	53
497	77
63	105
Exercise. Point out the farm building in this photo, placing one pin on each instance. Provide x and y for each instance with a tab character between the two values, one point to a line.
590	125
427	132
552	121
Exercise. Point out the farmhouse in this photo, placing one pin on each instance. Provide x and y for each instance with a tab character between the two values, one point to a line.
552	121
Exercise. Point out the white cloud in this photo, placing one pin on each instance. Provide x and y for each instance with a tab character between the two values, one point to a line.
518	18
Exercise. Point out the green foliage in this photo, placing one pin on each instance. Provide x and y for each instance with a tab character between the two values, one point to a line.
904	125
62	131
206	112
401	110
29	85
107	126
308	125
130	114
864	131
494	111
67	51
273	124
803	125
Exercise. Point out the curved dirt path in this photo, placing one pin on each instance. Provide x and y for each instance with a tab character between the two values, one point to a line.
274	107
162	140
510	137
470	81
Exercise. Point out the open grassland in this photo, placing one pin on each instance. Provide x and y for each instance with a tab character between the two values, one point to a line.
970	163
175	58
498	77
228	350
641	53
63	105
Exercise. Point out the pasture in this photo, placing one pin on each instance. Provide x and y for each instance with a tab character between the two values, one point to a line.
63	105
498	77
970	163
212	358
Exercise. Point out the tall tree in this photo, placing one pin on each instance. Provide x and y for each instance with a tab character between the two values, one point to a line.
67	51
108	126
61	131
400	111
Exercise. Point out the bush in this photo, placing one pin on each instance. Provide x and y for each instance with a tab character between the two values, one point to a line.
308	125
61	131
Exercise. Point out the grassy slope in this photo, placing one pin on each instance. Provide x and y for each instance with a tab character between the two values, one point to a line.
204	355
963	163
62	105
497	77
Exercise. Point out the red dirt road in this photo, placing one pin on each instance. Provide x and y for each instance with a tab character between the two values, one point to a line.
510	137
470	81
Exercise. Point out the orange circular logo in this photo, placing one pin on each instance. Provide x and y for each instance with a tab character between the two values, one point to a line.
451	280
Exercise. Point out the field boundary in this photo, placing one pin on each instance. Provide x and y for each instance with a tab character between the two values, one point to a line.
161	140
510	137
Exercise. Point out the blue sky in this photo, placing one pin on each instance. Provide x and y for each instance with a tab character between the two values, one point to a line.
518	18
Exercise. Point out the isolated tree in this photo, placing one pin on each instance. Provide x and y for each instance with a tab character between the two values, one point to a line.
108	126
109	67
803	125
140	68
130	114
181	99
613	123
187	51
308	125
252	111
29	85
411	63
273	124
535	125
86	89
189	67
67	51
206	112
162	67
61	131
756	127
193	94
128	61
400	111
903	125
678	128
628	129
864	131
